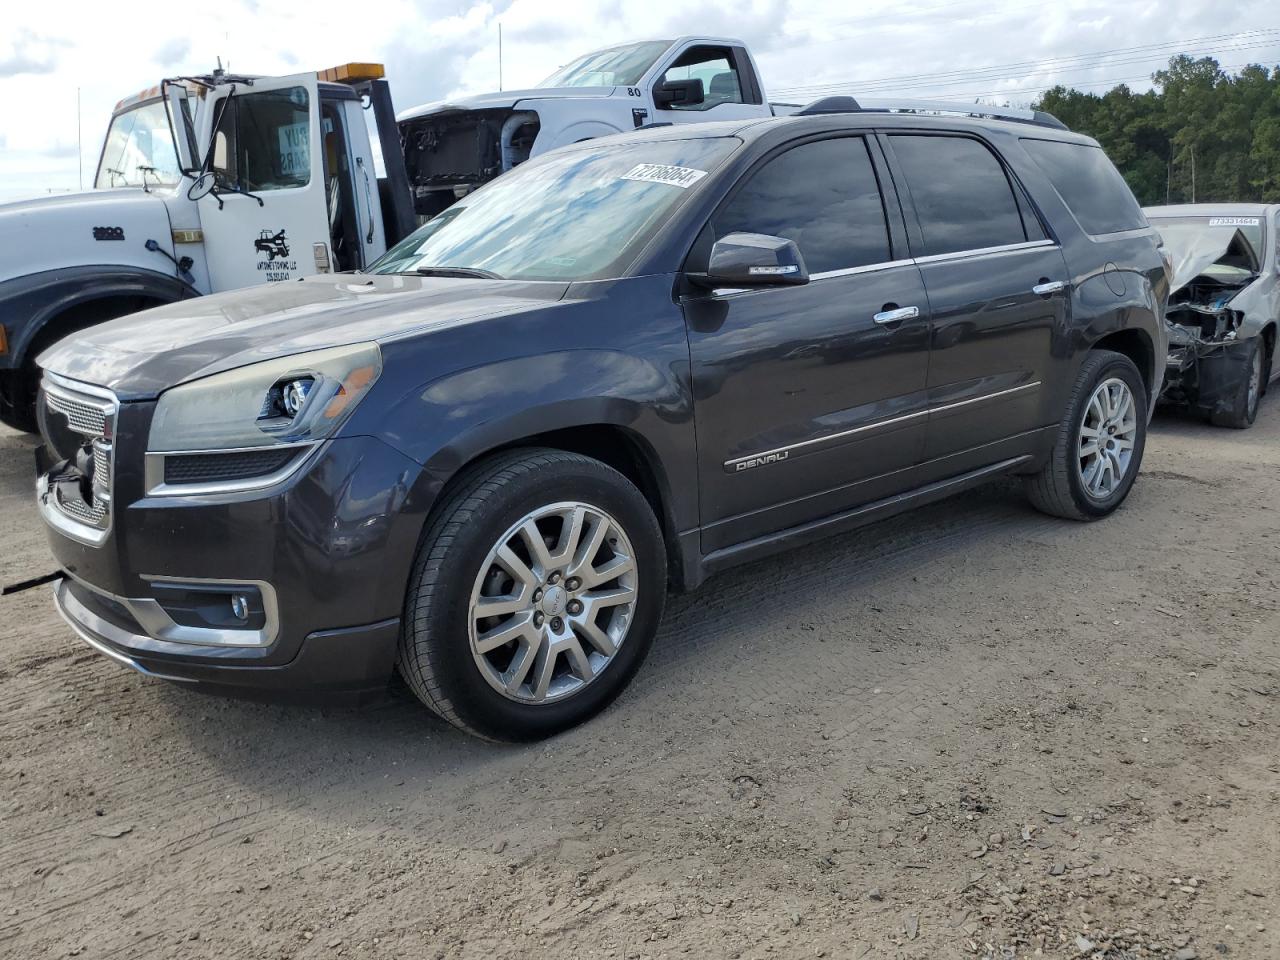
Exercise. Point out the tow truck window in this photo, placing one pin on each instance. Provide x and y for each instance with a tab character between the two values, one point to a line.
139	149
263	141
714	67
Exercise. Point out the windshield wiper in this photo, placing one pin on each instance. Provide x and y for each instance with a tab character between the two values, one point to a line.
456	272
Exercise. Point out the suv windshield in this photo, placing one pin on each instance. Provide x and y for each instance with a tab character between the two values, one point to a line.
613	67
574	215
139	150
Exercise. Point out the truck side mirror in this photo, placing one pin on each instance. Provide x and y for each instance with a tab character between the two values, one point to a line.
753	260
678	93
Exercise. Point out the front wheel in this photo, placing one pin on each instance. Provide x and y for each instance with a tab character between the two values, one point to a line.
1099	444
535	596
18	398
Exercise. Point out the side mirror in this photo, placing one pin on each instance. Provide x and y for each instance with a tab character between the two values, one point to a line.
678	93
754	260
201	186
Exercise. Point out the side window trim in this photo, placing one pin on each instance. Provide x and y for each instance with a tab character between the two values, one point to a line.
1021	197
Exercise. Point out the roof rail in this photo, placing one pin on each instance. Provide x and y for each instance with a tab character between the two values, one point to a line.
934	107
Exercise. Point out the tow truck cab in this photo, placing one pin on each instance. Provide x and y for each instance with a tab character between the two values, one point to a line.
204	184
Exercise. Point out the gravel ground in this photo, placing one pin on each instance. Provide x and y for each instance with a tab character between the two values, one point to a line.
969	732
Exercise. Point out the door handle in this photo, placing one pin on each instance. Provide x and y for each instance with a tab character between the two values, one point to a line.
894	315
1048	287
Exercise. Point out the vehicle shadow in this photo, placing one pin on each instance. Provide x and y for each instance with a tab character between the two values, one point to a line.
330	753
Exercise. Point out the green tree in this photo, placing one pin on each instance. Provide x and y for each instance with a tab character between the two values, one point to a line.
1200	133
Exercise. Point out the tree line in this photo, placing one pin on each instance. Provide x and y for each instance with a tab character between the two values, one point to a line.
1202	133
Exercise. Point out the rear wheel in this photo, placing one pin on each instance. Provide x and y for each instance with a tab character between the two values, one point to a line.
1100	442
1243	409
535	596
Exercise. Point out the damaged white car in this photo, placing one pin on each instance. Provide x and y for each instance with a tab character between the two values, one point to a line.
1224	306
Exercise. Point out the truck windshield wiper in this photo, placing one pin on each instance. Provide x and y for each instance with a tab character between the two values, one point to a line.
456	272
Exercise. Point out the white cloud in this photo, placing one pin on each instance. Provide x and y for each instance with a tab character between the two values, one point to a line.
437	48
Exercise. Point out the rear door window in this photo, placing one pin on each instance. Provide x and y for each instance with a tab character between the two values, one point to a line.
1089	184
823	195
961	193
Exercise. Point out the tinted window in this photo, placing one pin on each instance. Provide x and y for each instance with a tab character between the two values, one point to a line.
263	141
1089	185
962	196
822	195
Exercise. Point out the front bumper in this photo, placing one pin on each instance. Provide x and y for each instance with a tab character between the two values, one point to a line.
350	663
326	554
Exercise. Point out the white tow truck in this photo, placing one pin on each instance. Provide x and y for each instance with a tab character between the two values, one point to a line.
204	184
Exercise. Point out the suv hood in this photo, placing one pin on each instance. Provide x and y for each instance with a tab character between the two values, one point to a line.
504	100
141	355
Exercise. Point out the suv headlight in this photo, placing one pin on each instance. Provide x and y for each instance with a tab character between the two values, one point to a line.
293	400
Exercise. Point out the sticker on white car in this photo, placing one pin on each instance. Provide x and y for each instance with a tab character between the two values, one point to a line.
1234	221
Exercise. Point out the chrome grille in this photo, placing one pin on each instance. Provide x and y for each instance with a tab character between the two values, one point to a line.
89	413
83	416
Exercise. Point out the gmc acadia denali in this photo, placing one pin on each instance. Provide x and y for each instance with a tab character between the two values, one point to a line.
626	364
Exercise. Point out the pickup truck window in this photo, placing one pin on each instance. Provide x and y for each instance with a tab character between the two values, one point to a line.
621	66
961	194
1089	185
822	195
263	141
714	67
572	215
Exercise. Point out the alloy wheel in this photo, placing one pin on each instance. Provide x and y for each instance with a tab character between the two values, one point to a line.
553	602
1108	433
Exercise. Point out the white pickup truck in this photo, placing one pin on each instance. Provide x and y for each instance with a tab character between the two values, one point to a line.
453	146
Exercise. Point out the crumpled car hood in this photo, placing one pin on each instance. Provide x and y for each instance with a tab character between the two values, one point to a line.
141	355
1194	248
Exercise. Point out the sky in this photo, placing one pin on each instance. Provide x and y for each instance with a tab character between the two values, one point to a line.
999	51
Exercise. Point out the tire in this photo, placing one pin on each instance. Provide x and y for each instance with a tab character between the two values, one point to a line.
18	399
445	654
1243	410
1061	488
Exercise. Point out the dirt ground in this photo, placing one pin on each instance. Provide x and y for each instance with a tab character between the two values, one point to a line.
969	732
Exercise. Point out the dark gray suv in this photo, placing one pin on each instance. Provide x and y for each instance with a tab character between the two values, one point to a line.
621	367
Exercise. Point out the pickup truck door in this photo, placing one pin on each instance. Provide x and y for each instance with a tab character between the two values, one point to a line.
265	141
999	291
809	399
731	88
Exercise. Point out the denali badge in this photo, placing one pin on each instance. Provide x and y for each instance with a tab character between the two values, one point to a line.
737	466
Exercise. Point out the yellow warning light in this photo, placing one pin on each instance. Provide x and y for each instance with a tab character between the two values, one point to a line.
352	73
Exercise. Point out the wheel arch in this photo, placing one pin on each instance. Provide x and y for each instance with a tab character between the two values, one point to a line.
606	439
1134	343
52	304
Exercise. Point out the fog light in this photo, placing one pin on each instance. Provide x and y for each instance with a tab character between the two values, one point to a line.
240	606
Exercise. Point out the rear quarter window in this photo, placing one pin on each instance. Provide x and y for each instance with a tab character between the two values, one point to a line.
1089	185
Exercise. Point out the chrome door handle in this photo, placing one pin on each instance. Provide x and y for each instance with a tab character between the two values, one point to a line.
1045	289
886	317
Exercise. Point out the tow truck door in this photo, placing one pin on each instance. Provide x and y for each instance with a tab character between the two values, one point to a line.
266	220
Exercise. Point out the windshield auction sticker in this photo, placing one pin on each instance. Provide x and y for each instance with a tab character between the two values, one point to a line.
1234	221
682	177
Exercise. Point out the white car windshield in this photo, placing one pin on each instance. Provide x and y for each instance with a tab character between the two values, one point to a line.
139	151
613	67
576	214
